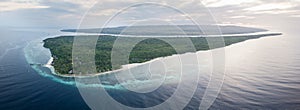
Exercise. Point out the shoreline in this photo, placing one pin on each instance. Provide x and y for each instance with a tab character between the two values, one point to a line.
123	67
129	66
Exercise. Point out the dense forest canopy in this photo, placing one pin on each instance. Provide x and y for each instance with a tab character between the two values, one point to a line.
150	48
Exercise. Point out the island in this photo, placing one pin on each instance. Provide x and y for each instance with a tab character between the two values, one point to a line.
146	50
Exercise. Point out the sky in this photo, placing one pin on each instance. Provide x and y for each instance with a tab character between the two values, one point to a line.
98	13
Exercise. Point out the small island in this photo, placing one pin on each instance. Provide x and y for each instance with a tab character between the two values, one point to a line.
61	49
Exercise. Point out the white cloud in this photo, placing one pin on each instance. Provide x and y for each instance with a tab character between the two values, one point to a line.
295	16
74	10
17	5
244	17
89	3
295	0
83	3
272	6
221	3
276	12
104	12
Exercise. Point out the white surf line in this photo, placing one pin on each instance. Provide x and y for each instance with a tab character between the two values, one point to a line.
48	64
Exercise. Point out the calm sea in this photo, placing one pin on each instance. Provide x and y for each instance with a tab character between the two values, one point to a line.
262	73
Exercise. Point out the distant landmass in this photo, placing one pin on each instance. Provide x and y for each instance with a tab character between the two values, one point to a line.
169	30
151	48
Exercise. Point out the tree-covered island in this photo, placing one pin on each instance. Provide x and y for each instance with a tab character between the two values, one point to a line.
150	48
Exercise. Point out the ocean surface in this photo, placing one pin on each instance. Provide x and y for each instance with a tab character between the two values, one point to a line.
261	73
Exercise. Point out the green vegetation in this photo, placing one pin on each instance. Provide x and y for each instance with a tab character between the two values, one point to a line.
150	48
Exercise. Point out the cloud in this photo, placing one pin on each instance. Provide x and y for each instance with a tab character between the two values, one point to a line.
295	16
272	6
71	12
86	4
222	3
276	12
242	17
17	5
104	12
82	3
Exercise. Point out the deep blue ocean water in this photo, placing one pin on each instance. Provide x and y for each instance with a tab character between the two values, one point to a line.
260	74
22	87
